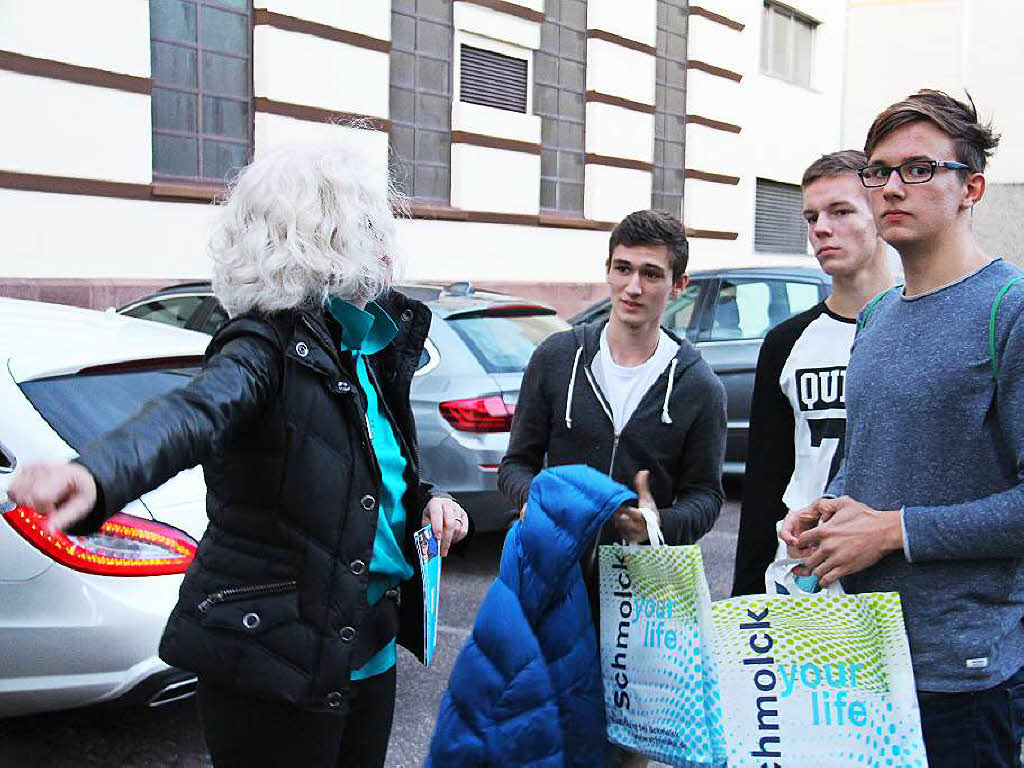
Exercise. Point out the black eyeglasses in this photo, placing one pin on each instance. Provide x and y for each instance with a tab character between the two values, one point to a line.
911	172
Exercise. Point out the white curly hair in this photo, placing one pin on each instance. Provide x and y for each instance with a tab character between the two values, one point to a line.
303	221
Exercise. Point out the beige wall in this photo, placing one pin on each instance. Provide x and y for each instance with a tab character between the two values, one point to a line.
955	45
879	73
952	45
999	221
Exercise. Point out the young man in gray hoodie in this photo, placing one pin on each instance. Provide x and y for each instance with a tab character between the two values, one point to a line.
930	493
630	399
624	396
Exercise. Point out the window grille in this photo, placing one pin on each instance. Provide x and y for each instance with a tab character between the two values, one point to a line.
558	98
421	98
201	59
670	107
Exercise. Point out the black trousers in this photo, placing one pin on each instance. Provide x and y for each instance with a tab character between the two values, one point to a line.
243	731
980	729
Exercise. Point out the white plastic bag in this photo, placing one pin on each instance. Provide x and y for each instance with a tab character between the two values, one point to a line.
810	680
661	693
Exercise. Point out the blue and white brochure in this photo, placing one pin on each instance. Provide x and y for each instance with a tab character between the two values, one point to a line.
430	570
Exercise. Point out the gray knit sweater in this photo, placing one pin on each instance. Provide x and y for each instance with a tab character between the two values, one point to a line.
929	429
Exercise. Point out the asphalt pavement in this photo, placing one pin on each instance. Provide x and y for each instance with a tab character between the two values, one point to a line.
170	736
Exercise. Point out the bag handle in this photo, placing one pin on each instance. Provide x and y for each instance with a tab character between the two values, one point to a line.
993	350
870	307
779	579
654	534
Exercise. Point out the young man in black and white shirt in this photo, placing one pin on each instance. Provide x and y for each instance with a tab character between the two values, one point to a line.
798	412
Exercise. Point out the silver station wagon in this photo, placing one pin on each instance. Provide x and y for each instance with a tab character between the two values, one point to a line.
465	388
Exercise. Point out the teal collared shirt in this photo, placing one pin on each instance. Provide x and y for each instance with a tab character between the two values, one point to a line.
366	333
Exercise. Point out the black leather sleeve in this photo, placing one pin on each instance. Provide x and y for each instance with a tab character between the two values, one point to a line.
183	428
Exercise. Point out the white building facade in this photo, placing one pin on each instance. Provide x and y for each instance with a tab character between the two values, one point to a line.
522	130
763	102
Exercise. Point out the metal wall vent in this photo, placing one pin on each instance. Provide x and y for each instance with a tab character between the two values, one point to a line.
779	225
492	79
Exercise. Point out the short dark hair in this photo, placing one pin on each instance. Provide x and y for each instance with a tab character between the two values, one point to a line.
834	164
974	141
653	228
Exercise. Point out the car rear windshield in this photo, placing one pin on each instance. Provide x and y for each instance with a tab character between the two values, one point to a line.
503	342
80	408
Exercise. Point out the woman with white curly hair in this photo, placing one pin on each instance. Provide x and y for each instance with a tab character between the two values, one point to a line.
290	612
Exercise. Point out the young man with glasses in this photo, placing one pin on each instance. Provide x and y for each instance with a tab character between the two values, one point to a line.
930	497
798	413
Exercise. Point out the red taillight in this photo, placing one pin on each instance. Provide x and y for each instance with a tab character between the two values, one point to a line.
124	546
479	414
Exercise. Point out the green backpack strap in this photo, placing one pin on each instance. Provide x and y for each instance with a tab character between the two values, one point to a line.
993	352
870	307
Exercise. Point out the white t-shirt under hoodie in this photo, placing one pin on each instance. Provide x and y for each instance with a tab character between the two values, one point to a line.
625	386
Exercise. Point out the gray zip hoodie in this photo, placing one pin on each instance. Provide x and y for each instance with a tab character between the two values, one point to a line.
677	431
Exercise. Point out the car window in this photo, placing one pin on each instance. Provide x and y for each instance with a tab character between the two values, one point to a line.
170	310
678	316
596	312
802	296
430	358
80	408
6	460
217	317
747	309
503	344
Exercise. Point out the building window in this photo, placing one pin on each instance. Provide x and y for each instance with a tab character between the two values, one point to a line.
201	56
670	103
779	225
421	98
559	89
787	42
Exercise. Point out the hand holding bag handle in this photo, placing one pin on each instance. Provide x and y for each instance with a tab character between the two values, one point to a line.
779	579
654	534
647	507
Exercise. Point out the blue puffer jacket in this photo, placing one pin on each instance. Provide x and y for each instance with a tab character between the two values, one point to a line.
526	688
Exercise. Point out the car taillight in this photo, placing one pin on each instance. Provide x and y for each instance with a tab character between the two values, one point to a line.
479	414
124	546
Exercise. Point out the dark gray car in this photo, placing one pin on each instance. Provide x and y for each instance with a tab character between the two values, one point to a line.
726	314
465	388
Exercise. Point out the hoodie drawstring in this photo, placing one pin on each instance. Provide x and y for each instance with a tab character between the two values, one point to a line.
572	385
665	418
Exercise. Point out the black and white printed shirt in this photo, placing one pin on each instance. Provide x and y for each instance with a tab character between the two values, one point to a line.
797	428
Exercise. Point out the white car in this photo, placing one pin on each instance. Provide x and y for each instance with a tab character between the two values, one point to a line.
81	616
